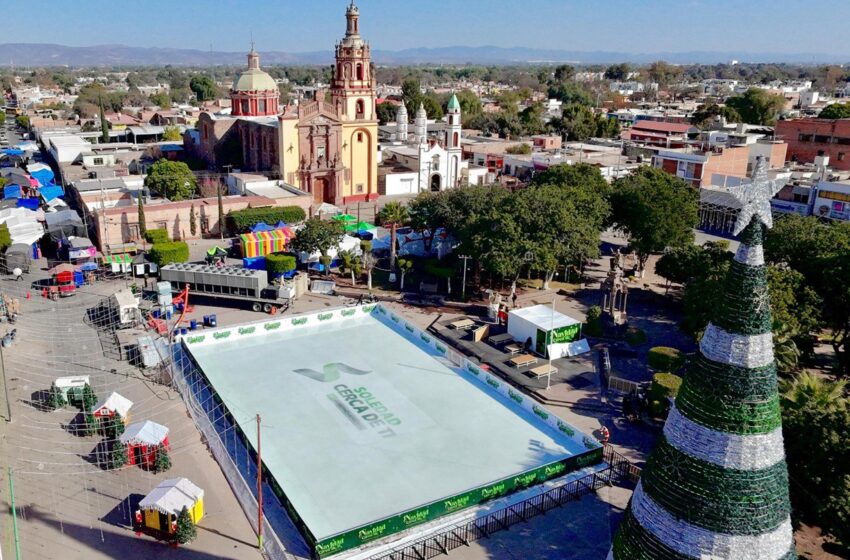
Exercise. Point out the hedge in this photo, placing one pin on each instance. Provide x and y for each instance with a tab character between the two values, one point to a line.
280	263
593	326
169	252
635	336
664	385
664	358
157	235
243	220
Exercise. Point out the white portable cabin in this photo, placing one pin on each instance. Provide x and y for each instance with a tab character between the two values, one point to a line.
71	384
126	306
540	325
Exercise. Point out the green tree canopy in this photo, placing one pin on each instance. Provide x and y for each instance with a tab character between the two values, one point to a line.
172	134
318	235
564	72
835	111
579	123
386	112
656	210
203	87
617	72
171	179
757	106
161	99
571	93
705	114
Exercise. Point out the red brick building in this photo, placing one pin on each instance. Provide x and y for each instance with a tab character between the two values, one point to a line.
810	138
661	134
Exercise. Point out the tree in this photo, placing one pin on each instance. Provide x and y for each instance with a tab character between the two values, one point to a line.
2	118
104	125
89	425
55	398
757	106
579	123
617	72
523	149
161	100
318	235
470	104
411	94
172	134
393	215
5	237
368	264
118	457
433	107
193	221
171	179
203	87
386	112
706	114
113	427
22	121
835	111
816	428
349	262
162	460
571	93
656	210
141	213
186	531
564	72
404	266
531	119
88	398
663	73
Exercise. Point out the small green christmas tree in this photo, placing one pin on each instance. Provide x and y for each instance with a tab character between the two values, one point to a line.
88	398
118	457
162	462
56	398
113	427
90	424
186	531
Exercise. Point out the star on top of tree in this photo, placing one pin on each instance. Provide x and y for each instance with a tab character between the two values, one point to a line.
755	197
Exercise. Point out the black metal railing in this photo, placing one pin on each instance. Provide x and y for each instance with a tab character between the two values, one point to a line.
618	469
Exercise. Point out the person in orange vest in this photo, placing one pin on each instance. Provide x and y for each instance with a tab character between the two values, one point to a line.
604	435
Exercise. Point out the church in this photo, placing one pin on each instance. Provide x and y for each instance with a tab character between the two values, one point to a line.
327	147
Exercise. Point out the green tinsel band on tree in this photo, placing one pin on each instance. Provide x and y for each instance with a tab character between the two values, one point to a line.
740	384
753	234
633	542
722	500
711	408
745	309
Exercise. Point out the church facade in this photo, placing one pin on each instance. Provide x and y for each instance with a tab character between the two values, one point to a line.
327	147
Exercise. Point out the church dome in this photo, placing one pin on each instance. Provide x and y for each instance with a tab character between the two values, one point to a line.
254	79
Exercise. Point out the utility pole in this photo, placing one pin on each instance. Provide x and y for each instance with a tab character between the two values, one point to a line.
14	515
5	388
463	287
259	489
549	348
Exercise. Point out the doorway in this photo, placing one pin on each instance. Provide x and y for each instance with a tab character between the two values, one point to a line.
320	184
436	182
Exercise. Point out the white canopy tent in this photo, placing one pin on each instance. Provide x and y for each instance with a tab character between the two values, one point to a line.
172	495
540	325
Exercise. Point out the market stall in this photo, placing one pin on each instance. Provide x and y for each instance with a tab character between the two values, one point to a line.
142	441
264	243
112	405
158	510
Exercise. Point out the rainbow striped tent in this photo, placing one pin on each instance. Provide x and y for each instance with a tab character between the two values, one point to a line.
264	243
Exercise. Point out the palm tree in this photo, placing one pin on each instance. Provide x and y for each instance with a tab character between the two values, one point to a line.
351	263
809	390
785	349
393	215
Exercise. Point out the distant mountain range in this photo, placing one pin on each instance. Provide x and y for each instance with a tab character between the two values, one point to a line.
46	54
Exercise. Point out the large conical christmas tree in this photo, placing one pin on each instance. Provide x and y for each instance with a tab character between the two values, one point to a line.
716	486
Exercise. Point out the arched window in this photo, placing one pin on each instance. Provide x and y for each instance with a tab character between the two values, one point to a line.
359	71
455	140
360	108
347	71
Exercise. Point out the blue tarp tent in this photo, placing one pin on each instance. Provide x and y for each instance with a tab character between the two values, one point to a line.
13	152
12	191
29	203
262	226
50	192
43	176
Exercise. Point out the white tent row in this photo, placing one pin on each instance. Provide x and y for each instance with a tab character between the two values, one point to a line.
348	243
24	225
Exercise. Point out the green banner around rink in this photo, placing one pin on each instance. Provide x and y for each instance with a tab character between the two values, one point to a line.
429	512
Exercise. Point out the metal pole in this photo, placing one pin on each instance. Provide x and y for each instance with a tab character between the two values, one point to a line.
259	489
548	350
5	388
463	288
14	515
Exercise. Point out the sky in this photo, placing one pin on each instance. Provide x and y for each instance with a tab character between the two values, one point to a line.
633	26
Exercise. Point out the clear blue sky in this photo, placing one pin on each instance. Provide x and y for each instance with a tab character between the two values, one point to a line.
310	25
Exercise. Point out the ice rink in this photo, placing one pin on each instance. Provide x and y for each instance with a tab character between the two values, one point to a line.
360	422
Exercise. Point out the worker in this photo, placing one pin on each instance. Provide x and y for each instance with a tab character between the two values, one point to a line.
604	435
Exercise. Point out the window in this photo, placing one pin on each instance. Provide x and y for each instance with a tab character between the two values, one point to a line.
821	139
320	151
97	161
360	137
805	138
359	187
360	107
261	106
245	109
359	71
840	156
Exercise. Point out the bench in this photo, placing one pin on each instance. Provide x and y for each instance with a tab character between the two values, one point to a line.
462	324
499	339
523	360
543	371
513	349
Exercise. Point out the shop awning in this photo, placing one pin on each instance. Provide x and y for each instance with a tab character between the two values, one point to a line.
123	258
265	243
